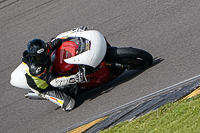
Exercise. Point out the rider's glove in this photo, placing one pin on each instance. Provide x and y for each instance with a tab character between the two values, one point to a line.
52	39
83	27
79	77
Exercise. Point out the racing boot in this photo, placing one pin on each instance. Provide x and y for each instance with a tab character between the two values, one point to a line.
69	103
71	92
60	98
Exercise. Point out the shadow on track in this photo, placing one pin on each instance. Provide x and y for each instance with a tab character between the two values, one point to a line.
124	77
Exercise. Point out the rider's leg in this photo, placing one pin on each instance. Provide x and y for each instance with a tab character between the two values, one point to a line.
58	97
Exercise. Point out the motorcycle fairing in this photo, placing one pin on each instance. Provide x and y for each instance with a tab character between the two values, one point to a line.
18	78
91	57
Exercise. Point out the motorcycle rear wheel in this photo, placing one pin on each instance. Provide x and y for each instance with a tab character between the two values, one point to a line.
136	58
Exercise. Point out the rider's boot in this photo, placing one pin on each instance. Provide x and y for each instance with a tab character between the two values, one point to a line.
68	104
60	98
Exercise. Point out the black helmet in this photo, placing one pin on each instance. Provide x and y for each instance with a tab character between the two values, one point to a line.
39	51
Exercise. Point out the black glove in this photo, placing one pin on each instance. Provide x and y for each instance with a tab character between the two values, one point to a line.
52	39
25	56
83	27
55	43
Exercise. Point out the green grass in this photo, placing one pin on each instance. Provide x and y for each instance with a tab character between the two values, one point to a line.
179	117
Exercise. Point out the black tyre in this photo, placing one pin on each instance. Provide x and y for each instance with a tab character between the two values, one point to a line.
136	58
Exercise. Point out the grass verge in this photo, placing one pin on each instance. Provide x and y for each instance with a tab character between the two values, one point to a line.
180	117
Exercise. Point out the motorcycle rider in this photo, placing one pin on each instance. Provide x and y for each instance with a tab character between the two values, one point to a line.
39	74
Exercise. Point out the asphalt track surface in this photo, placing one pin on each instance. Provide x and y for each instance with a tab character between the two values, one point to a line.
168	29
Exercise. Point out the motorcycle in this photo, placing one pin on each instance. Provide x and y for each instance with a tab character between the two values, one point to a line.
92	56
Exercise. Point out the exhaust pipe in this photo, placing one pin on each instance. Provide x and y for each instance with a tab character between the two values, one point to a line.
31	95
